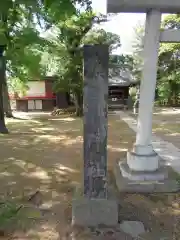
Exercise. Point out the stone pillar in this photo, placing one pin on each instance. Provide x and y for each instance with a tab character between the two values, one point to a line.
92	205
95	120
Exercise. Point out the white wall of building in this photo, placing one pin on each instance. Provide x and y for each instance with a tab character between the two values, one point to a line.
36	89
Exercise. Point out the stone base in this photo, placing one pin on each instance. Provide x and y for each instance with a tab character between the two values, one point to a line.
93	212
162	180
158	175
155	236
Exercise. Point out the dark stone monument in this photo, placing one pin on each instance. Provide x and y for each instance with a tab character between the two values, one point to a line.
95	121
92	204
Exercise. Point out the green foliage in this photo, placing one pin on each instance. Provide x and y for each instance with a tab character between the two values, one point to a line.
168	83
132	93
168	77
100	36
66	51
8	213
138	41
17	216
17	86
23	55
18	31
138	45
171	21
45	13
120	63
21	39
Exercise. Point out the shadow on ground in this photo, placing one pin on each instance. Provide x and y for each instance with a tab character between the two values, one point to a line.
45	154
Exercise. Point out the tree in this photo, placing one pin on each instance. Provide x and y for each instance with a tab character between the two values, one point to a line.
138	45
168	83
73	34
18	18
23	57
15	22
100	36
125	62
168	76
23	66
121	64
3	128
138	41
171	21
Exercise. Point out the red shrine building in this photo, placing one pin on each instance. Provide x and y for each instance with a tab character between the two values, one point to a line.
39	97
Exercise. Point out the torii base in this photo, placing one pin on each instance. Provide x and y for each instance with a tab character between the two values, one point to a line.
169	184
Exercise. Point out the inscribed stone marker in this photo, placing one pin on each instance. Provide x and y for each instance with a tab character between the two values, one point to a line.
95	205
95	120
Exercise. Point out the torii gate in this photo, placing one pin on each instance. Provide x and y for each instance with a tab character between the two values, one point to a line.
93	203
143	162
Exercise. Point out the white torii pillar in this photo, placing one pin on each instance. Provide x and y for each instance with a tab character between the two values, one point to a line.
142	161
143	157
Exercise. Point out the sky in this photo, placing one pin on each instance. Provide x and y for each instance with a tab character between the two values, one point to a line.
123	25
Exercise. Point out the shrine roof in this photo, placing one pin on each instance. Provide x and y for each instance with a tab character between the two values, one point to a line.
119	77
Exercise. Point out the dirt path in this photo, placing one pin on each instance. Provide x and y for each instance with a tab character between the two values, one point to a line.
46	155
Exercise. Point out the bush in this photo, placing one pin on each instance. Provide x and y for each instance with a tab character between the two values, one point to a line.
8	216
132	93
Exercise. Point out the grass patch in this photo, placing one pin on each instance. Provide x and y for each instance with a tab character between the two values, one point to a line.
10	217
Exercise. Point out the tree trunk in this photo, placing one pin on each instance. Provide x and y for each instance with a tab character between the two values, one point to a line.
6	101
3	128
170	98
78	101
176	99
